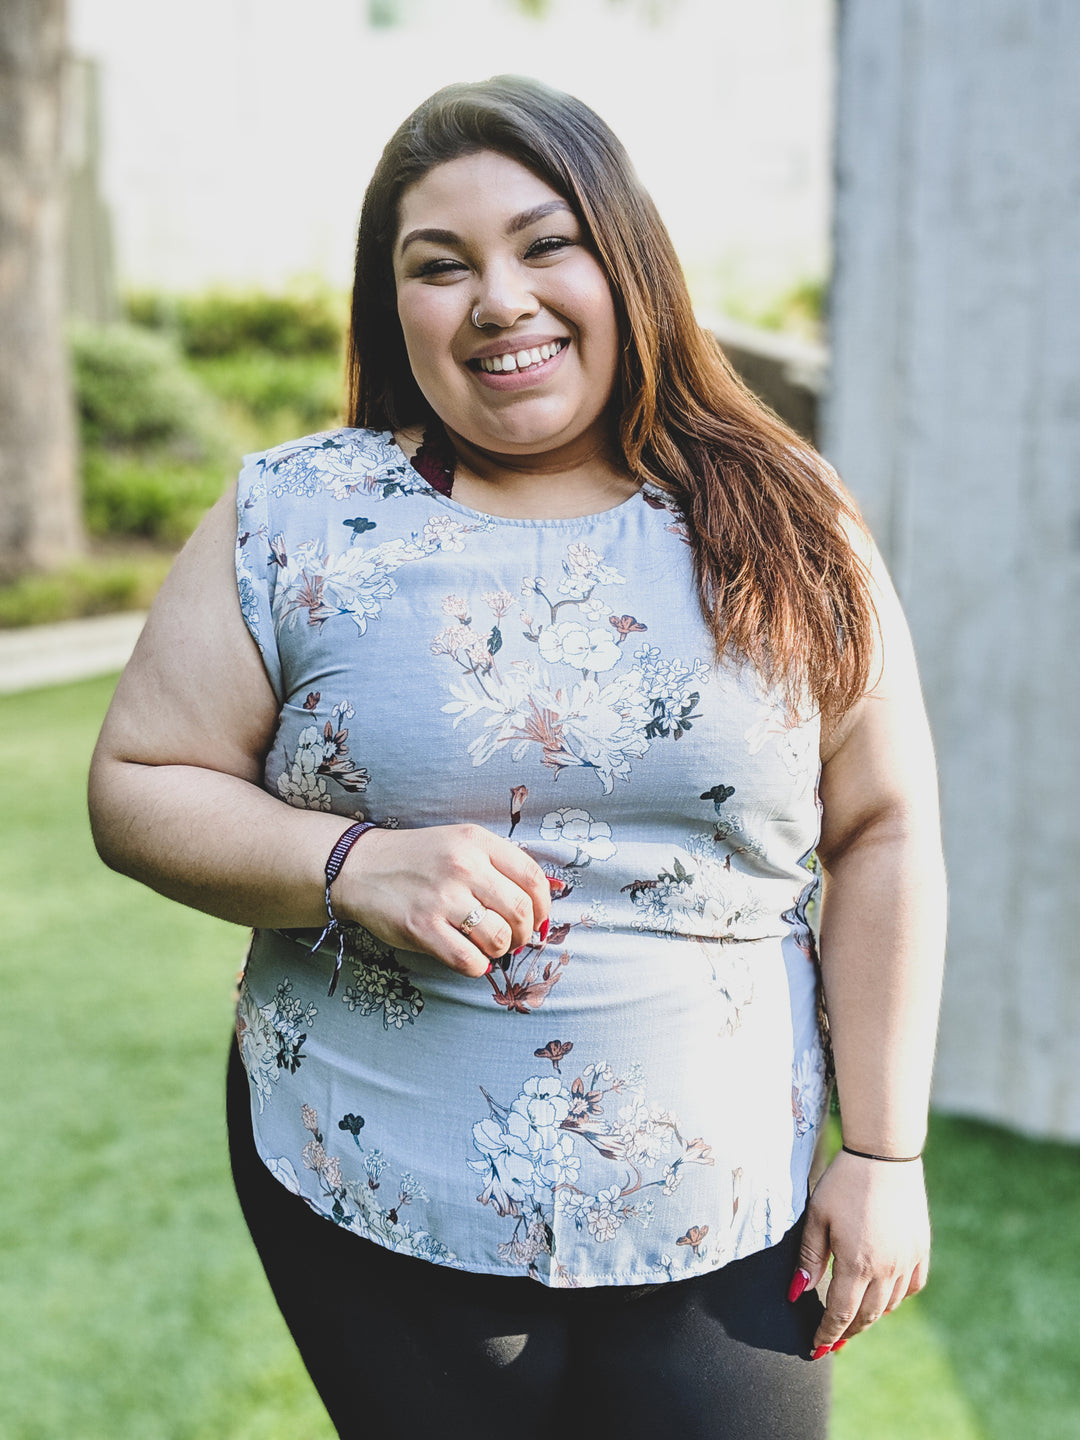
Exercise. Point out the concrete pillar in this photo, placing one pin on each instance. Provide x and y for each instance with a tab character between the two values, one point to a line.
954	416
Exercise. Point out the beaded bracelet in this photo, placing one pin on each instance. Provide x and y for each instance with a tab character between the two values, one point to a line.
890	1159
334	861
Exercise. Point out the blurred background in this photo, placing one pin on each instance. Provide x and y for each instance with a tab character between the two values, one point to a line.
877	204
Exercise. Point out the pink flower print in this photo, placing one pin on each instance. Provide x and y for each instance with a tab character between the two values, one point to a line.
698	1153
694	1237
458	608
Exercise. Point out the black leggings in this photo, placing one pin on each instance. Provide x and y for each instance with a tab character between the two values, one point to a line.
400	1349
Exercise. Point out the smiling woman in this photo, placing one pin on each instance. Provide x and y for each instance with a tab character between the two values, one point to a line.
522	719
511	334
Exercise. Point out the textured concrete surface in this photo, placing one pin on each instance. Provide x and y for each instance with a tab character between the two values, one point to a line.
955	418
75	650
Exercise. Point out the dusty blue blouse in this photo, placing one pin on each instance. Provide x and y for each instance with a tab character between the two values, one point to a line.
636	1099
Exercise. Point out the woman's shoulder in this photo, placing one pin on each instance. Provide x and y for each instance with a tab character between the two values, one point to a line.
335	464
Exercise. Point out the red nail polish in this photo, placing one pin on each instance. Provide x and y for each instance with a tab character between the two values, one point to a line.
519	951
491	967
820	1351
839	1345
556	884
545	926
799	1281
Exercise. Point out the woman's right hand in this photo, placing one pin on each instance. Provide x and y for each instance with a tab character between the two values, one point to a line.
413	888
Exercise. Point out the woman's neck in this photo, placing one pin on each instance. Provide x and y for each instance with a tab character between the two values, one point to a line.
583	478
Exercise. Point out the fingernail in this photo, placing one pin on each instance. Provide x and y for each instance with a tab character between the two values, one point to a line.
545	926
820	1351
839	1345
556	884
491	967
519	951
799	1281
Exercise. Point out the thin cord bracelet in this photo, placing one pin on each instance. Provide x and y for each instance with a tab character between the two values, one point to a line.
889	1159
334	861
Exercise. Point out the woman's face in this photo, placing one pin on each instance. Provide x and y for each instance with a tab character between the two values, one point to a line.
484	234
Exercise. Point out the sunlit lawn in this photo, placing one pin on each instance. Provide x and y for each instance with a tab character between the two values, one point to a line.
131	1304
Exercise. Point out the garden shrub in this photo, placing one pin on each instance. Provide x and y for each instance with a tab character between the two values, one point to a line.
224	322
153	447
100	587
304	391
133	389
148	493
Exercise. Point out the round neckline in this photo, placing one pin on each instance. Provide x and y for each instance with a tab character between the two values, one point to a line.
552	522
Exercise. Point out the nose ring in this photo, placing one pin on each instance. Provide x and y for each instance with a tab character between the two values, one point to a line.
476	318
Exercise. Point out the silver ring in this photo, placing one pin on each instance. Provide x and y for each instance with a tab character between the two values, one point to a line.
472	919
475	321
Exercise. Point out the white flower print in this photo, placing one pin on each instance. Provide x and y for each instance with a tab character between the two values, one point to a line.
603	728
375	1163
342	462
545	1105
808	1091
320	754
271	1036
733	982
498	602
301	785
507	1162
595	611
590	838
797	749
646	1133
673	690
573	644
795	738
282	1170
598	728
597	917
583	569
443	532
355	582
559	1167
605	1215
455	638
534	1150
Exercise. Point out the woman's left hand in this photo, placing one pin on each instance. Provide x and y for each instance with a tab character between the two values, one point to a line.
872	1217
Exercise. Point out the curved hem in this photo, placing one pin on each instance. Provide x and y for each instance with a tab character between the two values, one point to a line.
657	1275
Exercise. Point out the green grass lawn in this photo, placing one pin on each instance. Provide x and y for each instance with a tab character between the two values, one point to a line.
132	1306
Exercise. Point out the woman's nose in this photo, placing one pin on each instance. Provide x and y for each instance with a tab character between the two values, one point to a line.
504	297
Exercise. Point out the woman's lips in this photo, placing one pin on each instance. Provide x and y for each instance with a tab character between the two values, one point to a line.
526	365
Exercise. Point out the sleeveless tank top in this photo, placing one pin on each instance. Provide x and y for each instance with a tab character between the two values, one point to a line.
637	1098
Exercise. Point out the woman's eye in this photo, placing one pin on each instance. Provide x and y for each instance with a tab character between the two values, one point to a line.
548	245
439	267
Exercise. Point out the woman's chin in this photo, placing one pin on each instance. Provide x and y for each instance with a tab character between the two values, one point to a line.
523	435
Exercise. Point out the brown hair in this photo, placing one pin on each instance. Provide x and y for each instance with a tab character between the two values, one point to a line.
779	579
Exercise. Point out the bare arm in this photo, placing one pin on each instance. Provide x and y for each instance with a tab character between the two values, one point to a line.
882	947
176	799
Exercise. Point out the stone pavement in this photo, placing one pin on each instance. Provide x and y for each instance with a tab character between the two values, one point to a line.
42	655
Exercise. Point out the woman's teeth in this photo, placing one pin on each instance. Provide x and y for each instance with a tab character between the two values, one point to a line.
523	359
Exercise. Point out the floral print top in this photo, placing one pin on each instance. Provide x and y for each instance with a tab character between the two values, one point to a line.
637	1098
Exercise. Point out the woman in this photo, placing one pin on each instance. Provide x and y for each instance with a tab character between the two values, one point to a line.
567	624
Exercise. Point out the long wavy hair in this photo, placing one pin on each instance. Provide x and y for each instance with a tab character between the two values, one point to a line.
770	526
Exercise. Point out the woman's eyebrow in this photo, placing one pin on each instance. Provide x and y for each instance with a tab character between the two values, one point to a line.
538	212
513	226
437	237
